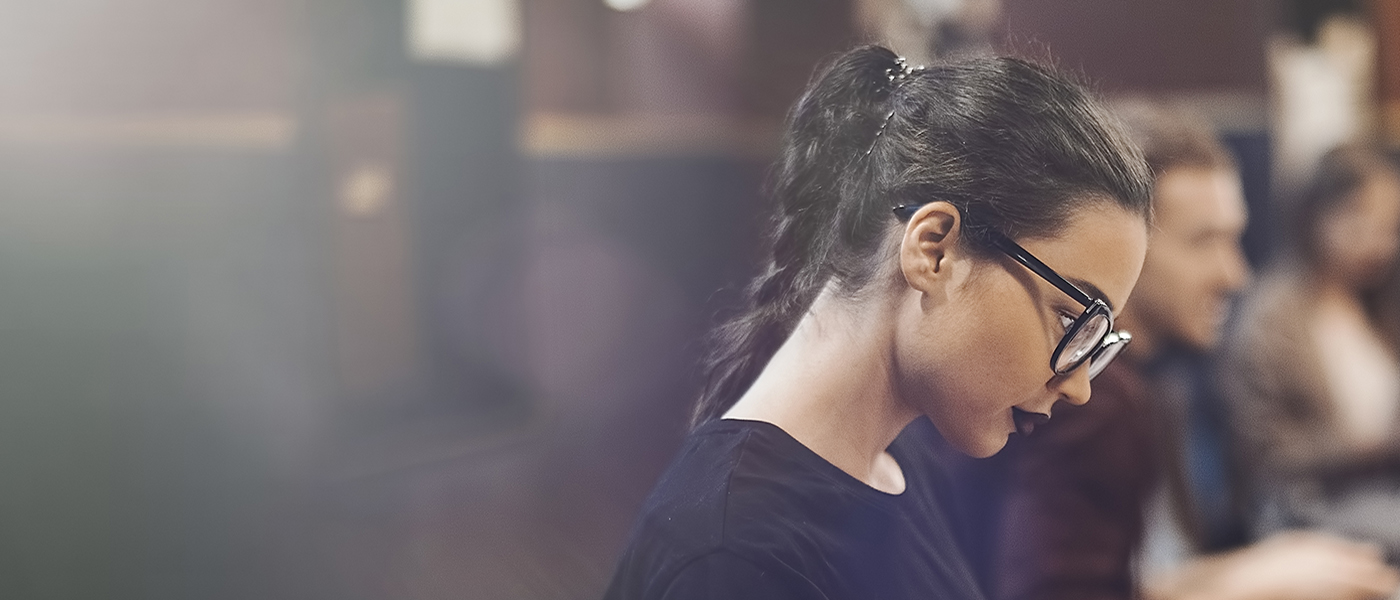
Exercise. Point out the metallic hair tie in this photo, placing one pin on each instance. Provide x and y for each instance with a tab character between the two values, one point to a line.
897	75
900	71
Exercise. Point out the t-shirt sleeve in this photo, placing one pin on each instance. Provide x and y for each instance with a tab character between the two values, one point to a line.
724	575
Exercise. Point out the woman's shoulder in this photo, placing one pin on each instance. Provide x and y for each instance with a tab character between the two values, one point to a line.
715	575
733	477
742	490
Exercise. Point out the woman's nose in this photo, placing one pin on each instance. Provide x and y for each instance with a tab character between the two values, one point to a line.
1073	386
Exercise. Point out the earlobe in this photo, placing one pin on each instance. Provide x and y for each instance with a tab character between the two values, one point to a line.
929	237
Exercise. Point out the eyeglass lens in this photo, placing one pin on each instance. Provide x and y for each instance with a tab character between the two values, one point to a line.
1111	348
1082	343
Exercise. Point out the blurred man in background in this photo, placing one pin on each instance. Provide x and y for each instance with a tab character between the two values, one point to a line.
1120	497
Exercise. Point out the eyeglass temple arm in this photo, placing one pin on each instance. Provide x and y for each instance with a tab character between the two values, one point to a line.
1021	255
1015	251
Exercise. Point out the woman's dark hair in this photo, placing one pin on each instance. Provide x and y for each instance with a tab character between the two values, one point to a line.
1014	146
1339	175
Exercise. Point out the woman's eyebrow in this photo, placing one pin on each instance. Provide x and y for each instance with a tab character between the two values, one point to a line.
1093	291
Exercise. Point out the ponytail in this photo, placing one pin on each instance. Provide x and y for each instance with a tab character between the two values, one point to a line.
835	122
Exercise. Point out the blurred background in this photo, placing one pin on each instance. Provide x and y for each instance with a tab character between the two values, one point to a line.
402	298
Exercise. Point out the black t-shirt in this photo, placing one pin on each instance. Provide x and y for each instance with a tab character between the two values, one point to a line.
746	511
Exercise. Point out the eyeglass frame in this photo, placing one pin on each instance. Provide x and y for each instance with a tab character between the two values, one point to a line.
1092	306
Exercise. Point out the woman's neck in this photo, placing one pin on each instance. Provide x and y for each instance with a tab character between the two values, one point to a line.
830	387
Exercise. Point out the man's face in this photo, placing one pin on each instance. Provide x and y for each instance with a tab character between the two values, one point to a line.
1194	260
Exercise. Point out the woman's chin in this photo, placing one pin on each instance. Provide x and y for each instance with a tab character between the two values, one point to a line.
982	446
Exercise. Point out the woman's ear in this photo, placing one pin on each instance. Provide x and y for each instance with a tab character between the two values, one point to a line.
930	241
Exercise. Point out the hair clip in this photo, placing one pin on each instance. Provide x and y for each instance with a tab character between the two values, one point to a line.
883	124
899	72
896	75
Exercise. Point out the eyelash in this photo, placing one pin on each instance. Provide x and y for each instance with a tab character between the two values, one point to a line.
1065	321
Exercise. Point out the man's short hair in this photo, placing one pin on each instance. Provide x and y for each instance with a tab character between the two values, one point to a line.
1172	138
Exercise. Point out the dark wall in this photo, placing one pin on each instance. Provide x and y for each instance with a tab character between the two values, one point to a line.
1175	46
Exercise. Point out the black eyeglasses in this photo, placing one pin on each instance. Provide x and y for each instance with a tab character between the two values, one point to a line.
1089	338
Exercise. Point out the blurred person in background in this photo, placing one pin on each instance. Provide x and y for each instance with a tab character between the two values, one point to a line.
905	289
1106	500
1312	377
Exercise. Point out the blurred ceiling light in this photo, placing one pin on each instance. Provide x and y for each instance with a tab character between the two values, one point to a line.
482	32
626	5
365	191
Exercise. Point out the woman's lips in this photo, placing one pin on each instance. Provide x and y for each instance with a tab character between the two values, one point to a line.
1026	421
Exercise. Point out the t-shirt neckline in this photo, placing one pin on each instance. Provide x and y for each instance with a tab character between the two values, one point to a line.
823	466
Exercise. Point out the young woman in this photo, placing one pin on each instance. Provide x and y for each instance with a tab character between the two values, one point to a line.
1312	375
949	242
